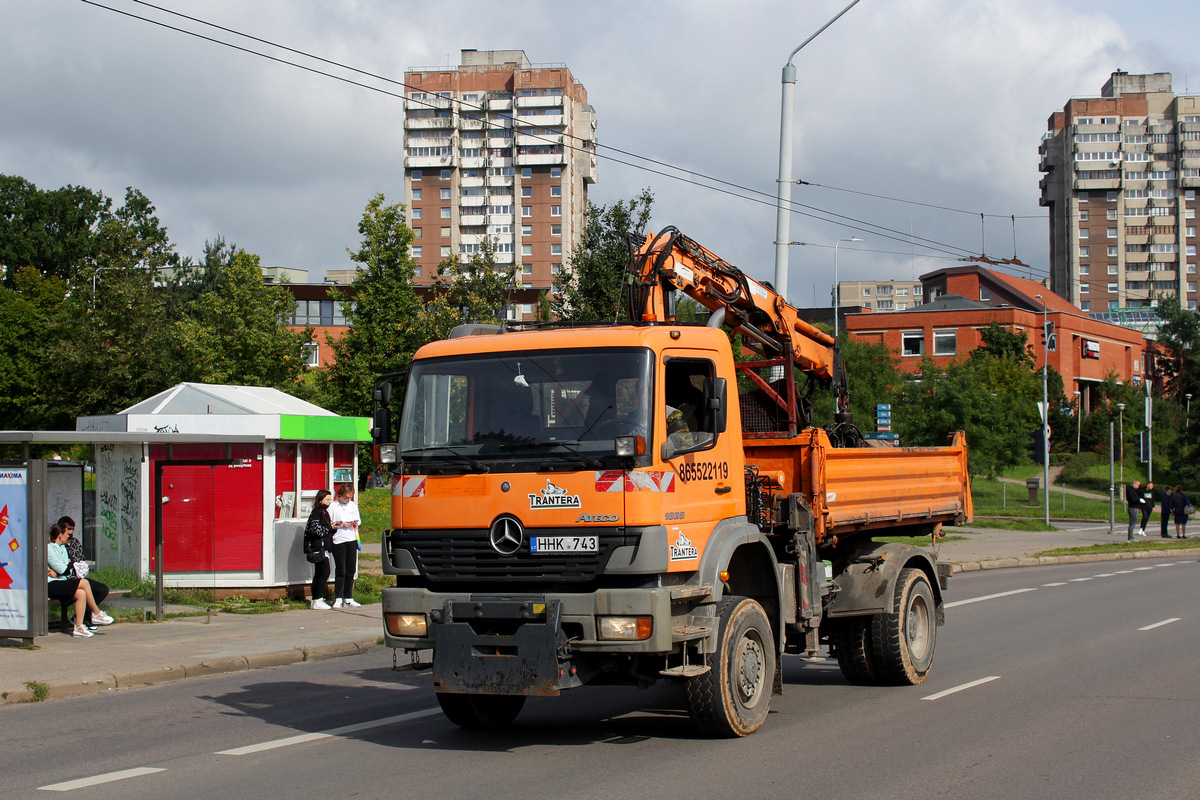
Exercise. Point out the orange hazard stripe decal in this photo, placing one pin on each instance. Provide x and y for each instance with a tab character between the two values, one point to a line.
410	486
615	480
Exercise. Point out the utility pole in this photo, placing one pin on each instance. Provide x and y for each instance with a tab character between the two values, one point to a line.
1045	417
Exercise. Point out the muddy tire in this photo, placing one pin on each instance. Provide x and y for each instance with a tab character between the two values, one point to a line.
903	640
733	698
851	641
480	711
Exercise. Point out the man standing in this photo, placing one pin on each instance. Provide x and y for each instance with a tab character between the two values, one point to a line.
1133	499
1165	513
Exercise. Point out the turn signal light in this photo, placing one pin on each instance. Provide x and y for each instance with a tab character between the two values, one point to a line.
624	629
412	625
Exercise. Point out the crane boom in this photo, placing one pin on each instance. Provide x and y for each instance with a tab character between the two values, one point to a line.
670	260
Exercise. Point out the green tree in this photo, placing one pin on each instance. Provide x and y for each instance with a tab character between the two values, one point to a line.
999	341
477	291
237	332
385	325
52	231
993	399
28	342
589	290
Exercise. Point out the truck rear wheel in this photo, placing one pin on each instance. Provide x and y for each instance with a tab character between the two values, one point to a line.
851	640
480	711
733	698
903	640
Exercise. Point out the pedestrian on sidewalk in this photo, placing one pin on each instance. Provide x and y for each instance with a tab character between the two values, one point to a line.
1179	504
1166	511
1133	499
346	519
1147	507
75	554
318	543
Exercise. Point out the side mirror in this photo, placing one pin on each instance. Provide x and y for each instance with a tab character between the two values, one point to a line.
717	396
381	425
383	394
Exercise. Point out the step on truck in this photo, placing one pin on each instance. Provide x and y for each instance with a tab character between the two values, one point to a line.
628	503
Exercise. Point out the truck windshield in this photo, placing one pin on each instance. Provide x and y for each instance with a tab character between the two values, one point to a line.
561	405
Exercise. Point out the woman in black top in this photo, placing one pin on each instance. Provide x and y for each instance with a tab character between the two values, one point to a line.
318	541
1179	501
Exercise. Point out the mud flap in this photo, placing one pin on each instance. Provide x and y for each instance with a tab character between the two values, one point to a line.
505	647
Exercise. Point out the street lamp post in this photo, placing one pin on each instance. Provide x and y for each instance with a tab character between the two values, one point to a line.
783	212
1045	419
1121	411
837	290
1187	415
1078	417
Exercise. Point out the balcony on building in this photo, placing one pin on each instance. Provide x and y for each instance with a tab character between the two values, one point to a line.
468	124
419	162
533	140
472	201
539	159
1093	184
500	180
540	101
503	258
473	162
426	123
471	183
472	216
540	121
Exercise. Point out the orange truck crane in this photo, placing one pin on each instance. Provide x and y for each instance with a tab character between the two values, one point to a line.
622	504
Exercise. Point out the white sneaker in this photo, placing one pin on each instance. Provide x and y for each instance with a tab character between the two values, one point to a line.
352	603
102	619
1141	532
337	603
82	632
320	605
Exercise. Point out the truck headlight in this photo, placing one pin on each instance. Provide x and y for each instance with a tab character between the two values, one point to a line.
412	625
628	446
387	454
627	629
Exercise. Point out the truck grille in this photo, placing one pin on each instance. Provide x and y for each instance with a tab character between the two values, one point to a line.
457	555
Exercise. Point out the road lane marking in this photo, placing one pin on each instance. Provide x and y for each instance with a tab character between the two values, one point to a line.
311	737
1123	572
971	685
1060	583
96	780
1160	624
1142	569
1104	575
1079	580
989	597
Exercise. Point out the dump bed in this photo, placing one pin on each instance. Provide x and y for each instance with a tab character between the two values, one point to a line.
905	490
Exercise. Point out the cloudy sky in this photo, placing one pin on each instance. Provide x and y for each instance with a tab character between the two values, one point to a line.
928	102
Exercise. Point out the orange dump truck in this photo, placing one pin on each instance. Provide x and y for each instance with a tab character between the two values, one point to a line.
603	505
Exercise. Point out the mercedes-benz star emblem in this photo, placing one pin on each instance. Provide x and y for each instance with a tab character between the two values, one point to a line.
506	535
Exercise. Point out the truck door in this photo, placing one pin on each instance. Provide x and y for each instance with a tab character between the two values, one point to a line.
706	469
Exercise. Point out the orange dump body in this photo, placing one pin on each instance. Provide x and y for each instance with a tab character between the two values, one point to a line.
856	489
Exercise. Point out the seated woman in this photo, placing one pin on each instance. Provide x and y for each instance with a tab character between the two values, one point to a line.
75	554
62	585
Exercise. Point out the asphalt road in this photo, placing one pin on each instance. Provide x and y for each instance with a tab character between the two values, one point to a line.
1069	681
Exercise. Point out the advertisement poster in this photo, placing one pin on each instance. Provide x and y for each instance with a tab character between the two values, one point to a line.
14	549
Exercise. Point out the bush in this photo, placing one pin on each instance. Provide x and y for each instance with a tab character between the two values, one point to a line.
1077	466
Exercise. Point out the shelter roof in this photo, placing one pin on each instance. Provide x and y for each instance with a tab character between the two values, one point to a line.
209	398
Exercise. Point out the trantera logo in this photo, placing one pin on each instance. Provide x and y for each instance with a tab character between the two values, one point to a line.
553	497
683	549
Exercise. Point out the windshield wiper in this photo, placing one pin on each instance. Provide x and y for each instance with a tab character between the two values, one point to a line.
478	466
568	445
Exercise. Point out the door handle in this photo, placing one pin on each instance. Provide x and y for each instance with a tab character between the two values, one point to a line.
723	489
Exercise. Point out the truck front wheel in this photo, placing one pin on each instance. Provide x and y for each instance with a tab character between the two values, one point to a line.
733	698
480	711
902	640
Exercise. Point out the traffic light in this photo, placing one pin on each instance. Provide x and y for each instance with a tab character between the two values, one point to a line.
1049	337
1035	447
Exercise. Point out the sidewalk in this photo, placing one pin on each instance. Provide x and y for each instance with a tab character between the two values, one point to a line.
127	655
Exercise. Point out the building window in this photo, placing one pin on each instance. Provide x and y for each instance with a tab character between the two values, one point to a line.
1112	214
1082	197
415	174
556	268
984	294
556	211
445	251
1084	252
445	212
912	343
526	211
526	191
1112	269
1191	286
527	269
556	191
1083	233
1083	216
1085	305
445	232
556	249
556	229
445	174
1112	288
445	194
1112	233
416	213
945	342
527	250
1111	197
526	172
1191	250
1112	250
1085	269
917	291
416	194
883	291
418	251
312	354
527	230
417	232
556	172
866	291
902	291
885	305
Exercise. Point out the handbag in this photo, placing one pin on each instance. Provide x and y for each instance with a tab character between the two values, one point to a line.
1189	509
314	556
81	569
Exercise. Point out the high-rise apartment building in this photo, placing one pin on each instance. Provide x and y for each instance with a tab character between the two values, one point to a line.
1122	172
497	149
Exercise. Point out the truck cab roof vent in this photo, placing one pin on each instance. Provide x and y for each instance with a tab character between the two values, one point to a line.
474	329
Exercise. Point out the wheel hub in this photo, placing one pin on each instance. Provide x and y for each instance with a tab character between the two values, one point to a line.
749	669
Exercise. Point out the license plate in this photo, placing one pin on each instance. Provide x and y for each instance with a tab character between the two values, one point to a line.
563	544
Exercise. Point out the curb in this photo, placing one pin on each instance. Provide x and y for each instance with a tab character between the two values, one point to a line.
221	665
1005	563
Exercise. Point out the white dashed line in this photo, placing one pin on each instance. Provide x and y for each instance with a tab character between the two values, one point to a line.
970	685
1159	624
1142	569
309	737
96	780
1054	584
1104	575
1079	580
989	597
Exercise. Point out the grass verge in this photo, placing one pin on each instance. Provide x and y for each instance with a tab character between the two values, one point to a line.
38	689
1124	547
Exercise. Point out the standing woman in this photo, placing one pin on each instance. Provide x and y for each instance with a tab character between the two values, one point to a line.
346	519
318	542
62	585
1179	501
